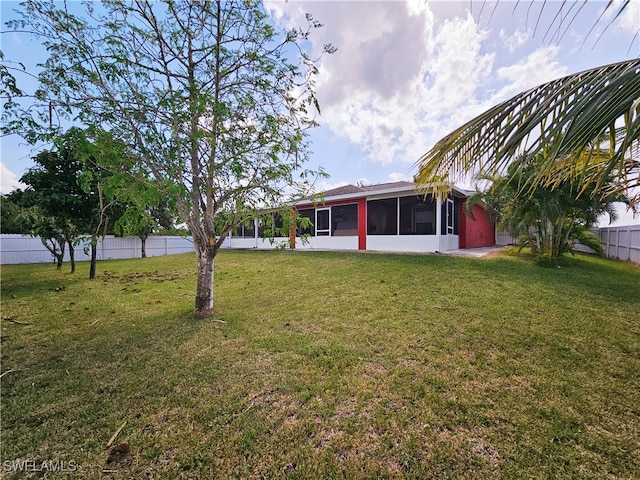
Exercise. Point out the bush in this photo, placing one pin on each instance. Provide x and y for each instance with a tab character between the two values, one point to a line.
547	260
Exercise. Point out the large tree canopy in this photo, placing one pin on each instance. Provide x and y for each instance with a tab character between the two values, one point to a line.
209	96
562	118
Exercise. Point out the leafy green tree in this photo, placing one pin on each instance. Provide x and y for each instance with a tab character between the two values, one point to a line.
70	196
57	201
14	215
104	177
22	214
147	211
561	119
210	97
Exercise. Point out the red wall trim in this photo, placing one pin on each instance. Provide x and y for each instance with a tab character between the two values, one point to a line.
362	224
292	230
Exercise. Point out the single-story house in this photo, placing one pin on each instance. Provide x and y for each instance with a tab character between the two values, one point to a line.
393	217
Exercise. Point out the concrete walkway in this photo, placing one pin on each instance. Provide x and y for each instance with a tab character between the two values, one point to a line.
473	252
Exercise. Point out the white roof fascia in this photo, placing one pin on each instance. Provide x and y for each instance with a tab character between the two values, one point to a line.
398	191
375	194
357	195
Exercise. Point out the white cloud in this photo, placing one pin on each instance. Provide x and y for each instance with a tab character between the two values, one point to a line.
629	19
324	185
538	67
8	180
402	79
515	40
399	177
395	75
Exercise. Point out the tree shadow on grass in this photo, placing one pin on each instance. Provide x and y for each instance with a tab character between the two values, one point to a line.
586	275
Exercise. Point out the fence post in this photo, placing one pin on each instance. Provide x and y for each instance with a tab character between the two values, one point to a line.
617	243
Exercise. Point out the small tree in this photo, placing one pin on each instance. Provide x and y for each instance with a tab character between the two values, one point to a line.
549	220
70	194
211	98
57	201
25	212
146	212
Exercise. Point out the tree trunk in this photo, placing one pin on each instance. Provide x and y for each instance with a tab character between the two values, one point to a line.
204	291
94	258
143	239
56	249
72	256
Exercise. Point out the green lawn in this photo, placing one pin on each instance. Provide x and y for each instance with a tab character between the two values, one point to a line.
325	365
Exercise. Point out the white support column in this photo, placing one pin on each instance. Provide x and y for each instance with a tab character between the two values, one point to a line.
397	216
438	221
255	231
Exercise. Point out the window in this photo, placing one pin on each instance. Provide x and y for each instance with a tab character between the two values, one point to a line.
382	217
310	214
417	216
246	230
344	220
322	222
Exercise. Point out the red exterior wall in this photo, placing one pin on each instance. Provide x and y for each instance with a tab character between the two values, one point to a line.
476	233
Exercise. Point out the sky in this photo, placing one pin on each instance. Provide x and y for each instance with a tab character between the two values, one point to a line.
407	73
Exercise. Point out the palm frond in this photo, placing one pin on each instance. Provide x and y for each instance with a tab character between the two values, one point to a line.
560	118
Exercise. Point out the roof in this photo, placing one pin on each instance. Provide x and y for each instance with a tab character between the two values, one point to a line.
349	189
344	190
385	186
348	192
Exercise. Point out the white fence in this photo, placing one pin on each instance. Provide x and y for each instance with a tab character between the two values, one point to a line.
622	243
503	239
25	249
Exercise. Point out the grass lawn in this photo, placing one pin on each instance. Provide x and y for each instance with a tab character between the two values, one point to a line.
328	365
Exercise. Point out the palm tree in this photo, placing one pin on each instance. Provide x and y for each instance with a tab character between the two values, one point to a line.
563	118
549	219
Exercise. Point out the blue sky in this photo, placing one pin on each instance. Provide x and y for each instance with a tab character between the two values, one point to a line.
407	73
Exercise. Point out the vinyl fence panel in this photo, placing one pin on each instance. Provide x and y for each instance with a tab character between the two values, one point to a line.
25	249
622	243
503	238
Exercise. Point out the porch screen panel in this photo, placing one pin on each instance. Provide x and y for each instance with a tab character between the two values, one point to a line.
417	216
382	217
344	219
456	216
247	230
309	213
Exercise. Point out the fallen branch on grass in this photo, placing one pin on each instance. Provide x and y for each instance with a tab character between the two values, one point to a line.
11	320
113	437
9	371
